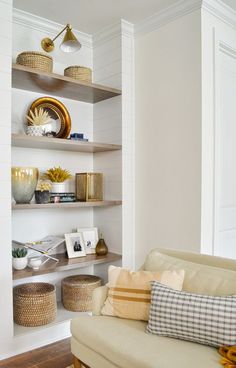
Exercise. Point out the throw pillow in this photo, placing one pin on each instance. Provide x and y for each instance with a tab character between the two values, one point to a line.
129	292
209	320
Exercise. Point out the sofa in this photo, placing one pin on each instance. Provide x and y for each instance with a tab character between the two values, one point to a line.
110	342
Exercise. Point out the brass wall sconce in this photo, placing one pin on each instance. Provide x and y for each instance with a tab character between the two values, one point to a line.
69	43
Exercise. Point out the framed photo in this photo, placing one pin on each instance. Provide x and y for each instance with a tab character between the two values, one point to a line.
90	236
75	245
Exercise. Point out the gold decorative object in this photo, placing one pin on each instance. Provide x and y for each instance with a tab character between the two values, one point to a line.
229	356
79	72
77	292
36	60
24	181
101	247
69	43
89	187
57	175
60	123
34	304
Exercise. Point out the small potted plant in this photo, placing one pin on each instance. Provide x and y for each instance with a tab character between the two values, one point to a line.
42	193
19	258
36	121
58	177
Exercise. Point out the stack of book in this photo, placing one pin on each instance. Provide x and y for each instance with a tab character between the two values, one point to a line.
62	197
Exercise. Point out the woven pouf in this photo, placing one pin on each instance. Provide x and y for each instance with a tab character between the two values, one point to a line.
77	292
34	304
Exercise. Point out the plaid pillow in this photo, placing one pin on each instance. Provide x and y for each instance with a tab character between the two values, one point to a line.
209	320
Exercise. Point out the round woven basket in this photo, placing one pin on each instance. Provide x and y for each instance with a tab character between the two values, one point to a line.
36	60
34	304
77	292
79	72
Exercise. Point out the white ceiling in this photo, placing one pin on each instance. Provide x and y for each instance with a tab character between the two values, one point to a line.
90	16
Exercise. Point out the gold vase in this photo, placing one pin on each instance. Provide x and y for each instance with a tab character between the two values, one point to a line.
101	248
24	181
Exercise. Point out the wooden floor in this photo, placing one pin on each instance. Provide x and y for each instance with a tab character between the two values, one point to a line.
56	355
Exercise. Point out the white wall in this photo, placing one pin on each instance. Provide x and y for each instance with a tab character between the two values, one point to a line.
168	136
5	177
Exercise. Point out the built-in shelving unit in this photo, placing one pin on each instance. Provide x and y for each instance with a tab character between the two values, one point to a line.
58	85
28	79
65	264
35	206
22	140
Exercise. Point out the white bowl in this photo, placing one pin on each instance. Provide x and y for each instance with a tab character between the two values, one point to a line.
34	262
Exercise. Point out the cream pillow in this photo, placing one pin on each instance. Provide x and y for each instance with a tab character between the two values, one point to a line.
199	278
129	292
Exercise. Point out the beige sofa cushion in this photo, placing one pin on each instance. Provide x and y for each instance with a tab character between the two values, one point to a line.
199	278
125	344
129	293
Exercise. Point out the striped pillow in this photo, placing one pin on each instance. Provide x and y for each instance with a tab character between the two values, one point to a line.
208	320
129	292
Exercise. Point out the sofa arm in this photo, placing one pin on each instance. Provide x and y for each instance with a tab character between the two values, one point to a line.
98	299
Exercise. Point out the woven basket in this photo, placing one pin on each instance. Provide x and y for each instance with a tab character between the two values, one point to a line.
34	304
79	72
77	292
35	60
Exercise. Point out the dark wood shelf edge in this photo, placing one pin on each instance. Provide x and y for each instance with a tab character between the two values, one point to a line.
65	264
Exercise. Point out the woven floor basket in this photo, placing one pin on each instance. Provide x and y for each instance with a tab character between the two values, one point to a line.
35	60
79	72
77	292
34	304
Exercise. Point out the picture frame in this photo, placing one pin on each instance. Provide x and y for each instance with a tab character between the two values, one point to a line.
75	245
90	236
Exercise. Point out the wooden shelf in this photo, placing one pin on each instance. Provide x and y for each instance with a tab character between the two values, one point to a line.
34	206
65	264
63	315
58	85
26	141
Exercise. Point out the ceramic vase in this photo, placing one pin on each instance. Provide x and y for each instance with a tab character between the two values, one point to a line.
19	263
24	182
58	187
101	248
35	130
42	196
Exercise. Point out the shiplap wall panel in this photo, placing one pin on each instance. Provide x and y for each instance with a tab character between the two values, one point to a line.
108	128
6	326
50	222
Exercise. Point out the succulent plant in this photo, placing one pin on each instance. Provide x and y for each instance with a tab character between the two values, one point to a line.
44	186
57	175
19	252
38	117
